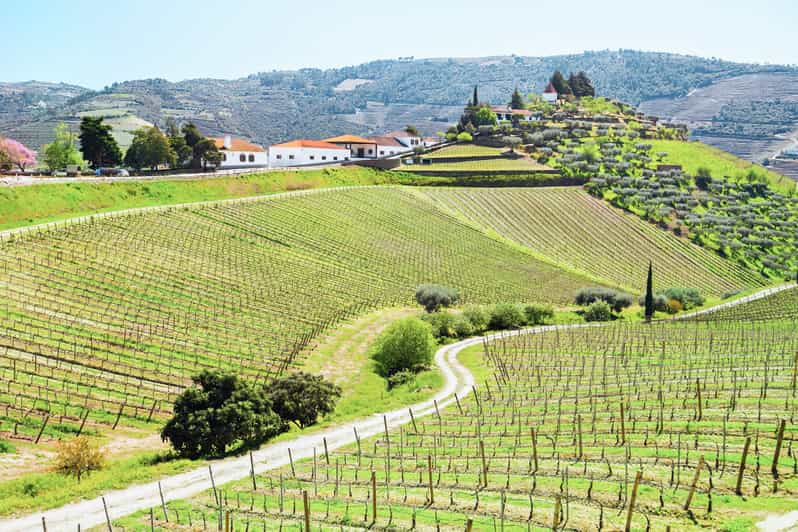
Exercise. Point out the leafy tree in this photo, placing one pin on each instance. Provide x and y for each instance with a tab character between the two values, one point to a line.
97	144
63	151
17	154
560	85
649	302
598	311
434	296
507	316
149	148
485	117
537	314
78	457
478	316
406	345
219	411
411	130
703	178
517	101
475	100
511	141
208	153
615	299
581	85
301	398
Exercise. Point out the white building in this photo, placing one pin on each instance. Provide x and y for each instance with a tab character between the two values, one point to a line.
359	147
411	141
388	146
238	153
306	152
550	94
506	113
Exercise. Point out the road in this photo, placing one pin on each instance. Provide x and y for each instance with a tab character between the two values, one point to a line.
458	380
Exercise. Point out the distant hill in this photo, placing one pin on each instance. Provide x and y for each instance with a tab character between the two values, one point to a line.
274	106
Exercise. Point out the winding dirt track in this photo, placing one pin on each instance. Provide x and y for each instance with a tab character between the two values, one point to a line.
459	380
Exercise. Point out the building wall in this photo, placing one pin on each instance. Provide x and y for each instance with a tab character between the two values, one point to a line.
282	157
388	151
411	142
232	159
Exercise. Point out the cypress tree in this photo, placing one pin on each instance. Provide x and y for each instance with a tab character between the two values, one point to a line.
649	294
475	103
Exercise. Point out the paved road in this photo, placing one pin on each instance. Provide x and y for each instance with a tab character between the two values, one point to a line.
89	513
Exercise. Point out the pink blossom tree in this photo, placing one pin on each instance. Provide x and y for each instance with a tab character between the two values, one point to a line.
17	153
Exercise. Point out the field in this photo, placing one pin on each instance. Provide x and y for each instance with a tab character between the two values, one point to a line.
680	425
465	151
582	233
781	305
105	321
483	166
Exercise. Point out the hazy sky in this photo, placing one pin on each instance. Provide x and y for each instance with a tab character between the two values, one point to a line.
96	42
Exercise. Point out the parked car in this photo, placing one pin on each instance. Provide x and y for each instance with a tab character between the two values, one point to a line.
111	172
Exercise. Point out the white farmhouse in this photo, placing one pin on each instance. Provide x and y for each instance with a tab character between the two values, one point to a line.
550	94
506	113
359	147
388	146
238	153
409	140
306	152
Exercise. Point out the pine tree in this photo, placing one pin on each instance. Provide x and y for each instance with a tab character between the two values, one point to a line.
475	102
560	85
517	101
649	294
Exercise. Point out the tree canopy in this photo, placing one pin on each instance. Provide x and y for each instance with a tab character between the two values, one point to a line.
150	148
301	398
63	151
559	83
517	101
97	144
434	296
406	345
581	85
17	154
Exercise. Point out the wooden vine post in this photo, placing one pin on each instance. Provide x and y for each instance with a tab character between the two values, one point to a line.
429	476
690	494
306	504
373	497
774	468
623	426
484	463
632	500
739	486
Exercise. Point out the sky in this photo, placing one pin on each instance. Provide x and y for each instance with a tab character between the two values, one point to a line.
96	42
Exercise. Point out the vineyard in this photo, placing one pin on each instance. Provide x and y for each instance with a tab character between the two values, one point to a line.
103	322
674	425
781	305
582	233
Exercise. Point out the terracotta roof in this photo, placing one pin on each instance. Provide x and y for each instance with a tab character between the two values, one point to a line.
349	139
399	133
501	109
302	143
236	145
550	89
387	141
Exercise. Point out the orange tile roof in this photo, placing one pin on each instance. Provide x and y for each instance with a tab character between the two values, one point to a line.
349	139
302	143
236	145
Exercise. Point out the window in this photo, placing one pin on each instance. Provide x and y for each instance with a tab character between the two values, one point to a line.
371	151
323	157
224	157
312	157
242	158
382	152
251	158
280	156
291	157
335	158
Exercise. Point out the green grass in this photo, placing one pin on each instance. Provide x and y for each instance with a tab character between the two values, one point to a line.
465	150
40	491
7	447
487	166
28	205
694	155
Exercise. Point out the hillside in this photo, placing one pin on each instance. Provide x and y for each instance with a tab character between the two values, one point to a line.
275	106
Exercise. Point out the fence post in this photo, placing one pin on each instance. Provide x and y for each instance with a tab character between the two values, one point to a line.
107	517
306	503
693	485
632	500
739	487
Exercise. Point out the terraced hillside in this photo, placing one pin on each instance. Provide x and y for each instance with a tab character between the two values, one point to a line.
780	305
574	229
679	425
109	319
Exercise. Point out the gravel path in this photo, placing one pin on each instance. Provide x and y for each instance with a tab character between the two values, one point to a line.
459	380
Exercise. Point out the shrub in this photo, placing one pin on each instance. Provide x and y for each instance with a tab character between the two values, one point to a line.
434	296
442	323
673	306
464	137
78	457
598	311
688	297
538	314
400	378
507	316
478	316
300	398
463	327
615	299
218	411
660	302
406	345
6	447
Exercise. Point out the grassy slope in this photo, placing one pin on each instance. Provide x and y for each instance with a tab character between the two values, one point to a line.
693	155
28	205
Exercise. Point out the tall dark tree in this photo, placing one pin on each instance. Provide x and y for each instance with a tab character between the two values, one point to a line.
650	293
203	151
581	85
97	144
475	101
560	85
517	101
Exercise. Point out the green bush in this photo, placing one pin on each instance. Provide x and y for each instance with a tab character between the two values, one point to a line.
434	296
688	297
507	316
463	327
442	324
300	398
400	378
478	316
218	411
6	447
464	137
598	311
615	299
538	314
660	302
406	345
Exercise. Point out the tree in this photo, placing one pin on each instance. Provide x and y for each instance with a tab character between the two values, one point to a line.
301	398
17	154
581	85
97	144
475	101
208	153
411	130
485	117
560	85
511	141
703	178
63	151
78	457
219	411
149	148
406	345
517	101
434	296
650	293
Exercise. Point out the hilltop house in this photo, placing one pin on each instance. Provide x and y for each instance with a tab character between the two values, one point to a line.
550	94
505	112
238	153
306	152
359	147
